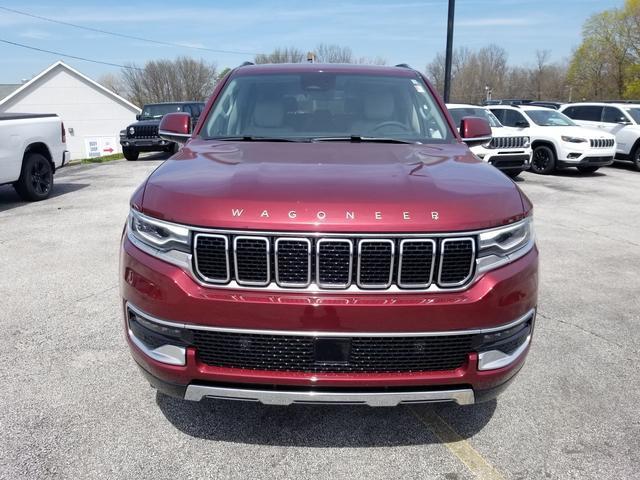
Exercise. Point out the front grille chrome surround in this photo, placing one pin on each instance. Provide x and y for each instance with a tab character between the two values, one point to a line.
200	268
363	260
279	257
443	257
432	261
321	274
237	245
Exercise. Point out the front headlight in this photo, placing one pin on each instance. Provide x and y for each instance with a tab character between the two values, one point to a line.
159	235
503	245
574	139
527	142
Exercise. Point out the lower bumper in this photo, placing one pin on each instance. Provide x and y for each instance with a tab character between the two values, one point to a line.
372	399
587	162
145	145
511	161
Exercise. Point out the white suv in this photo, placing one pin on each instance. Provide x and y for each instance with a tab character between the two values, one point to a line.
556	140
508	151
619	119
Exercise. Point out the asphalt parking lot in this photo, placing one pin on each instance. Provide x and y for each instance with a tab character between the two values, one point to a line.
73	405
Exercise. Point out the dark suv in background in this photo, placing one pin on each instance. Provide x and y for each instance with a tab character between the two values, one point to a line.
142	136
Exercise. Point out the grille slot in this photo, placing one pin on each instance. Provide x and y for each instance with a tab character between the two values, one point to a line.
334	262
417	259
456	264
212	260
251	260
375	263
293	262
296	353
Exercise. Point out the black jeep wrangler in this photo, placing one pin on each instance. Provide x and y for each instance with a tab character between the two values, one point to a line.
142	136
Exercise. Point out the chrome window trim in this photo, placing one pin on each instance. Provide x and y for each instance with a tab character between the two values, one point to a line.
235	261
393	253
315	333
226	251
334	286
471	264
434	258
276	266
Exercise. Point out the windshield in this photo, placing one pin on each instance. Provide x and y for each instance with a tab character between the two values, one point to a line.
634	113
324	105
149	112
549	118
459	113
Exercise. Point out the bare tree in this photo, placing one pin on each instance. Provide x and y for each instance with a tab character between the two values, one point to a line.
169	80
333	54
113	82
282	55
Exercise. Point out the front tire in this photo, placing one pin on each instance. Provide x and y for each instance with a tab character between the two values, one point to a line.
635	158
36	178
543	161
130	154
587	168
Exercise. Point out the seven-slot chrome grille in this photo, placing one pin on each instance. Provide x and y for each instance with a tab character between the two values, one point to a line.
334	263
602	142
508	142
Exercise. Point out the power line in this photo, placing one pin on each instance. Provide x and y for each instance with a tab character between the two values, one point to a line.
69	56
124	35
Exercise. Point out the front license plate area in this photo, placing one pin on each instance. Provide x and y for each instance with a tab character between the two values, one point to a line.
332	351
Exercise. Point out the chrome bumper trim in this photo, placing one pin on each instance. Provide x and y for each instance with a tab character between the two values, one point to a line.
496	359
314	333
169	354
372	399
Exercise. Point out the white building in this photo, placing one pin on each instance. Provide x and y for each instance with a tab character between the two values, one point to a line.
92	114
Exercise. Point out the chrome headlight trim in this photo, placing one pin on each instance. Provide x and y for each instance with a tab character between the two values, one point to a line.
500	246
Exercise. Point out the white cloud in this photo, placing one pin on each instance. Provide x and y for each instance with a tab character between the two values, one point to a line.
496	22
35	34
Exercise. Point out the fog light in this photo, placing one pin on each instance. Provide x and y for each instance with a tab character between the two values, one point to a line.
573	156
503	347
161	342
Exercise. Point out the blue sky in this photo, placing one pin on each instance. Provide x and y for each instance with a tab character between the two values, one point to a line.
410	31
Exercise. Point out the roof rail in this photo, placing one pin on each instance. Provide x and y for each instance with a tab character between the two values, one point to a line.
403	65
621	101
246	64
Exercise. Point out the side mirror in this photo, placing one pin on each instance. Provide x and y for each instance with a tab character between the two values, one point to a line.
522	124
475	131
175	127
138	116
624	122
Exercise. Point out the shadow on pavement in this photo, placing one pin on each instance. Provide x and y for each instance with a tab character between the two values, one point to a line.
9	199
318	426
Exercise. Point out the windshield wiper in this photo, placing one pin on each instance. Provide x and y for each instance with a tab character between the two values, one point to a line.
251	138
360	139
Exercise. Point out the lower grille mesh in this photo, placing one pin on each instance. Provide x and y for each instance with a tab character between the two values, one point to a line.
296	353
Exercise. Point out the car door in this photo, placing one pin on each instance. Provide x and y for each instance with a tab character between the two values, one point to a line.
616	122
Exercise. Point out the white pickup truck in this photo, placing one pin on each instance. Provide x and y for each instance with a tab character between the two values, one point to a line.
32	147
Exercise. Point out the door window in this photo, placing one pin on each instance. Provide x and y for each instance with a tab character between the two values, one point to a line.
589	113
613	115
513	118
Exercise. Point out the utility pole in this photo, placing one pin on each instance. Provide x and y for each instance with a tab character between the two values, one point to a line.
449	54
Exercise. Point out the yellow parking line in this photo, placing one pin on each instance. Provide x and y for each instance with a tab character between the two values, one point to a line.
456	444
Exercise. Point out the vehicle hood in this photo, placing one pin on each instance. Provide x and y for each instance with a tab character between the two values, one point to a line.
506	132
140	123
330	187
